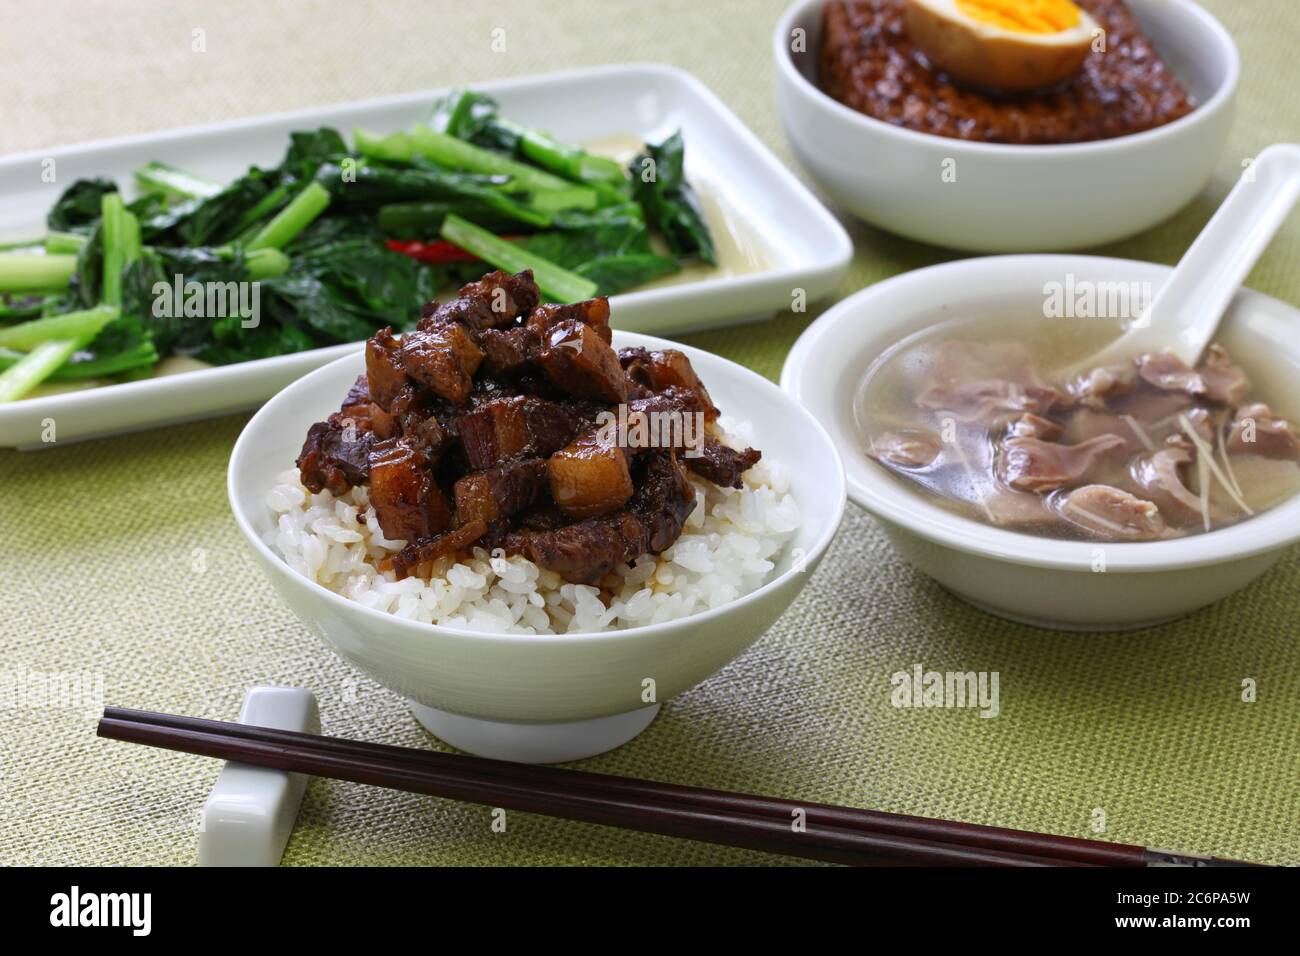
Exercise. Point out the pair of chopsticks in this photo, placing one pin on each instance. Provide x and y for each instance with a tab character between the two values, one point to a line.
808	830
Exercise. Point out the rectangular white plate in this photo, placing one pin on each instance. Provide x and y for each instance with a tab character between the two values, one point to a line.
805	247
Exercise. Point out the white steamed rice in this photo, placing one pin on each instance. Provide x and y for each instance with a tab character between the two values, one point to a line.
727	549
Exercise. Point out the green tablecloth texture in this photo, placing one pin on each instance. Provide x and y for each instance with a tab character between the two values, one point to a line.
119	557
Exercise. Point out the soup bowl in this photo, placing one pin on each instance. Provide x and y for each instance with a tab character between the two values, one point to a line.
1049	582
994	197
543	698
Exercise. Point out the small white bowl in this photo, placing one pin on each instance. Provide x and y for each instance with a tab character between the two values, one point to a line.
543	699
1043	581
1011	198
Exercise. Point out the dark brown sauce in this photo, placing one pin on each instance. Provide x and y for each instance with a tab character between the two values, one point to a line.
868	63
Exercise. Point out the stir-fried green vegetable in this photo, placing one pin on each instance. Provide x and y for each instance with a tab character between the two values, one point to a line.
659	183
48	349
292	219
331	244
27	272
558	284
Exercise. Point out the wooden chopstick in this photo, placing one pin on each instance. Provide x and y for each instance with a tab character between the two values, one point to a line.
825	844
834	834
366	763
1061	850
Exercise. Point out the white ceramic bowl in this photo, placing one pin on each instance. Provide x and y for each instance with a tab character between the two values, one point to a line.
1009	198
1043	581
544	698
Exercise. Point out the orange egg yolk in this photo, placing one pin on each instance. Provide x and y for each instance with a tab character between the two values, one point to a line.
1023	16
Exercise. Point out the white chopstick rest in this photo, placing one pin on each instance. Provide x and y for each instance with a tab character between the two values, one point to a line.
250	813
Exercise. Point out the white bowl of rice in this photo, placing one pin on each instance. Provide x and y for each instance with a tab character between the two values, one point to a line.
503	658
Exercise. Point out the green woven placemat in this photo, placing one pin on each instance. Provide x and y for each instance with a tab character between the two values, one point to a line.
119	557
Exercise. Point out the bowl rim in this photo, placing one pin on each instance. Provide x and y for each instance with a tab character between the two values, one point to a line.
889	500
1219	100
346	606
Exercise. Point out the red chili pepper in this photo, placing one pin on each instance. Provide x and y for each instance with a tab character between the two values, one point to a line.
436	252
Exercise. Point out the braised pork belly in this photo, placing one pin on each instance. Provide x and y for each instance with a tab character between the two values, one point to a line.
501	423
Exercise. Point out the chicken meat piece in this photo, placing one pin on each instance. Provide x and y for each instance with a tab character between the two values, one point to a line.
1257	431
908	448
1030	464
1086	423
1113	514
1151	408
961	362
988	402
1160	478
1167	372
579	362
1225	382
1203	423
1014	509
590	475
406	499
1095	388
1030	425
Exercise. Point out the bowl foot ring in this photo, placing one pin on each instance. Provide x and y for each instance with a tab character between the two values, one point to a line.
534	743
1104	627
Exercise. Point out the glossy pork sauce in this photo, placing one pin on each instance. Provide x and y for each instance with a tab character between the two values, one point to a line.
488	425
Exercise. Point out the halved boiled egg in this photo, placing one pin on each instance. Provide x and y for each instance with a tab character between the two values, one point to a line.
1004	44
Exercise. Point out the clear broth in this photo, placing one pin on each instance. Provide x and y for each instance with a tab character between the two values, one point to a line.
963	478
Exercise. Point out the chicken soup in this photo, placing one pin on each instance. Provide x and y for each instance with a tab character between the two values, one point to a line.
969	412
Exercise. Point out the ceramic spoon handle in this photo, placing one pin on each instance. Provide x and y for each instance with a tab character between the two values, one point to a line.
1212	270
